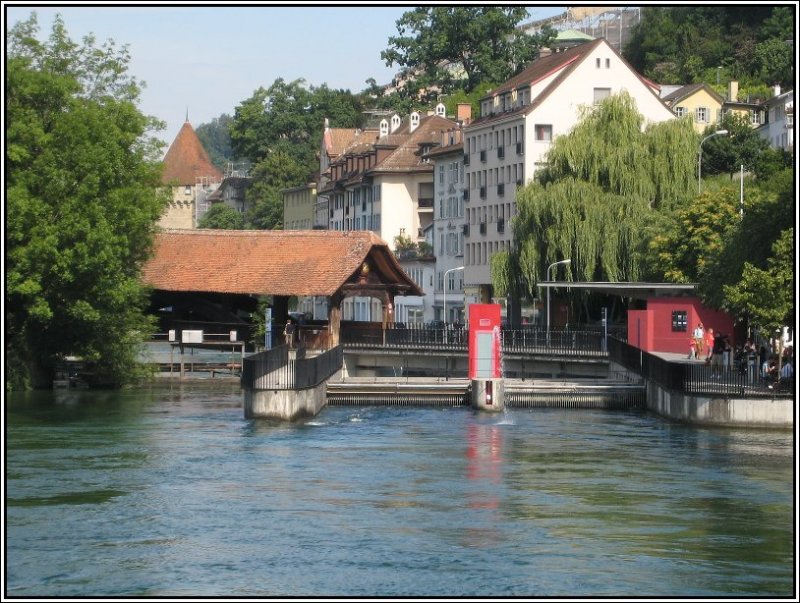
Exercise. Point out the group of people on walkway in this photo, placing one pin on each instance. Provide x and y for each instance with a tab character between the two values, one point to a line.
701	344
754	362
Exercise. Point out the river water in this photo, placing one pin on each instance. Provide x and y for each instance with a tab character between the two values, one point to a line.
169	491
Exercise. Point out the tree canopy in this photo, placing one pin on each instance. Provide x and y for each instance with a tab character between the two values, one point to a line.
215	137
221	217
278	130
82	204
462	46
692	44
593	204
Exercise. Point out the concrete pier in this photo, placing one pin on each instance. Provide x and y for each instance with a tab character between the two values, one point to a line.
488	394
285	404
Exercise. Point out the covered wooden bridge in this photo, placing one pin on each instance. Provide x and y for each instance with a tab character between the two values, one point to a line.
196	266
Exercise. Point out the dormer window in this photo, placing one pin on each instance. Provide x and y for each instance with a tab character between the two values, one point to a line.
414	121
384	127
440	110
395	122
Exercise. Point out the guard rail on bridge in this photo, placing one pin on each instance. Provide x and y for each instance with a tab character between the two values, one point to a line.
525	340
696	378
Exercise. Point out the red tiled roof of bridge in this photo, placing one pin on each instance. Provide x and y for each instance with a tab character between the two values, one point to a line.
267	262
186	160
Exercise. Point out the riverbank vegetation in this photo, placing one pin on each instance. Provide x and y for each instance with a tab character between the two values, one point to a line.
82	203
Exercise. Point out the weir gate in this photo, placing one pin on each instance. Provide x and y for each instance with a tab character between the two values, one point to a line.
429	367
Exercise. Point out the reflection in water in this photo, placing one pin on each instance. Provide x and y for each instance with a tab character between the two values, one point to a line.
485	475
172	492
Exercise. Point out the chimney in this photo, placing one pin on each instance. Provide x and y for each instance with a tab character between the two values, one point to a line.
776	89
464	113
733	91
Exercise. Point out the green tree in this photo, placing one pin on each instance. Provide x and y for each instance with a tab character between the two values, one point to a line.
82	205
769	209
278	170
680	253
221	217
291	114
484	43
279	130
683	44
216	139
765	297
742	146
604	184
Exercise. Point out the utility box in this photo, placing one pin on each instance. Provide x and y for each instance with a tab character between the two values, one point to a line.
485	361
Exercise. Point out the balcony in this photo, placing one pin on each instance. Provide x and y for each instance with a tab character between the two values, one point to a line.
426	203
501	190
501	152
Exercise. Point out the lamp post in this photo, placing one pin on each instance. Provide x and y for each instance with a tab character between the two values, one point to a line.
444	287
700	154
548	294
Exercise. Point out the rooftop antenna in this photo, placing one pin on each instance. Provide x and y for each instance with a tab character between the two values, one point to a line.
187	112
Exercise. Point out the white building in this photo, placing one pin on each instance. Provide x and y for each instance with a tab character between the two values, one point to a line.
380	181
510	139
779	126
448	223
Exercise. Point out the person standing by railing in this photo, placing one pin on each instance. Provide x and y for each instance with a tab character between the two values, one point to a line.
699	335
709	344
717	352
288	333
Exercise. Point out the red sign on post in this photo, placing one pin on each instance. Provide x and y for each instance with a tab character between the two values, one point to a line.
484	341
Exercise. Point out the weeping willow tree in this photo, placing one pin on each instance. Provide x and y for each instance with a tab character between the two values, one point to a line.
605	184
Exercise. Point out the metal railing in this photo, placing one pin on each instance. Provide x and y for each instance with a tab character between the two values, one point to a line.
524	340
274	369
697	378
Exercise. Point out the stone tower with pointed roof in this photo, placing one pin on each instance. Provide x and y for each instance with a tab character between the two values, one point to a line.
192	178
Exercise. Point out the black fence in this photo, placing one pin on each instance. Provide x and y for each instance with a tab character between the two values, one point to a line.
274	369
698	377
524	340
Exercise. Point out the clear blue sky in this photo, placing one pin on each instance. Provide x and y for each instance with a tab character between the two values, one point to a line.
208	59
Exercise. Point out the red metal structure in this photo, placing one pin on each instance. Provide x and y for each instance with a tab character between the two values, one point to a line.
484	341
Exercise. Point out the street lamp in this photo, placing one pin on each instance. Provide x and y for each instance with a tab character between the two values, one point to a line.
700	154
444	298
548	293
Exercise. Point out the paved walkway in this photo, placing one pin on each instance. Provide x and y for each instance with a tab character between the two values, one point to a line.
678	357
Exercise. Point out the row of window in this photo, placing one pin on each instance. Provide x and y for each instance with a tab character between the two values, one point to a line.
478	254
455	281
455	173
489	213
451	243
498	139
370	222
702	115
451	207
512	174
